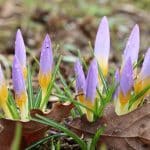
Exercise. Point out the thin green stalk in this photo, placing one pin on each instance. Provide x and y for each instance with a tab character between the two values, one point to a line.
44	140
30	89
58	126
16	141
96	138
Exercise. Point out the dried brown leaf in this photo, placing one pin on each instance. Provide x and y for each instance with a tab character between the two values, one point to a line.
31	131
130	131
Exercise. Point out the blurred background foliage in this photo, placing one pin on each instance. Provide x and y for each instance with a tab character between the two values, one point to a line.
72	24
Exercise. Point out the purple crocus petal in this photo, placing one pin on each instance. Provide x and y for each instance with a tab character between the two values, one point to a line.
80	77
1	76
17	77
132	46
145	71
126	80
20	50
92	81
117	80
117	76
46	58
102	44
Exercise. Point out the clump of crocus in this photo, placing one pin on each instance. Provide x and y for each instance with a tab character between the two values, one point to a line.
130	82
46	62
18	107
86	88
132	86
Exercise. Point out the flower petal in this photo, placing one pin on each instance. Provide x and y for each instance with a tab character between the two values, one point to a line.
126	81
117	80
102	45
46	58
17	77
145	71
20	50
80	77
132	46
92	81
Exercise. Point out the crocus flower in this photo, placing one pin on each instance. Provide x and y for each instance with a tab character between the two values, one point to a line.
4	95
125	88
132	46
91	84
80	82
46	62
88	86
20	52
102	45
19	89
143	79
92	81
80	77
145	72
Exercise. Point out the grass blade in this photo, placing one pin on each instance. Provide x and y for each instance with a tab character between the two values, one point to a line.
58	126
30	89
44	140
96	138
37	99
137	96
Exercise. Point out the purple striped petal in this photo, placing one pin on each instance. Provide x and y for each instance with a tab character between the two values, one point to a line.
20	50
126	81
17	77
132	46
46	58
102	45
80	77
145	71
92	81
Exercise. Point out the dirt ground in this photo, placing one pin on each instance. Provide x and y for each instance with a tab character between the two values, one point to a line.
72	25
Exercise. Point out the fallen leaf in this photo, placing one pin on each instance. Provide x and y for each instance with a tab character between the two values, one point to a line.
130	131
31	131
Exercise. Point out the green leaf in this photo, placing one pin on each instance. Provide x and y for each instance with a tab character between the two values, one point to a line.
44	140
96	138
136	97
37	99
68	92
16	141
62	128
12	107
30	89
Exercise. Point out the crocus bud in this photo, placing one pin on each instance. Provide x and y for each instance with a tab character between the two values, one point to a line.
102	45
20	52
80	83
125	88
80	77
132	46
46	62
19	89
91	85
